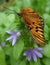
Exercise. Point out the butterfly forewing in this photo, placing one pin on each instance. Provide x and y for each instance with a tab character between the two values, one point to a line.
35	24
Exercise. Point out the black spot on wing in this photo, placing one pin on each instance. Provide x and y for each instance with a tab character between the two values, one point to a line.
36	27
36	30
33	22
28	23
29	27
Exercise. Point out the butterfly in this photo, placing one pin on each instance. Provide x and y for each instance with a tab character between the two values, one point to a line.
35	24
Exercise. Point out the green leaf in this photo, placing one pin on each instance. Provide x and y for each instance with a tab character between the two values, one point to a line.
47	50
18	48
18	62
46	29
46	32
8	50
35	63
2	17
27	3
23	62
46	61
6	20
2	57
11	17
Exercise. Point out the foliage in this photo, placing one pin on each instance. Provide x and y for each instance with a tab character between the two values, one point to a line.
9	20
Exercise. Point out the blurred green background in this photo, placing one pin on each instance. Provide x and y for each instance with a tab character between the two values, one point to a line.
9	20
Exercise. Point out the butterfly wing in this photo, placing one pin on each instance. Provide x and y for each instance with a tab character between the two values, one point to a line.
36	26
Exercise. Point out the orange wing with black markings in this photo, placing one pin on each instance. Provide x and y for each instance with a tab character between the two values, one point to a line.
35	24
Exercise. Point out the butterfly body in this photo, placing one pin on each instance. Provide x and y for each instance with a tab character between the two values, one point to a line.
35	24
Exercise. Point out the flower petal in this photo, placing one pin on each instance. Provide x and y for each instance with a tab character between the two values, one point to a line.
38	49
16	31
10	32
9	38
14	40
27	52
24	54
3	44
18	34
34	57
38	54
29	57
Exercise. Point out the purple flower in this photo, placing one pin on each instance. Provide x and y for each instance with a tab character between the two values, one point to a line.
3	44
33	54
14	36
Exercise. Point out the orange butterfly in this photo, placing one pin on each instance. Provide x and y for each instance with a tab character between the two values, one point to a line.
35	24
